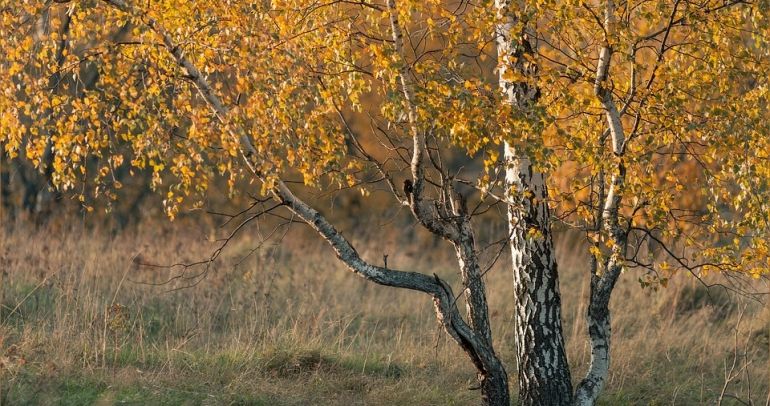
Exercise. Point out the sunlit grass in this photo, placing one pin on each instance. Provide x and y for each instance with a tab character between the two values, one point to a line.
83	321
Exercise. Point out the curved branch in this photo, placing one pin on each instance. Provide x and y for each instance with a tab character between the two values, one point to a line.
447	313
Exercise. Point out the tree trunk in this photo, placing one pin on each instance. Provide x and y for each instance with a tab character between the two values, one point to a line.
603	280
492	377
602	283
543	370
494	387
599	333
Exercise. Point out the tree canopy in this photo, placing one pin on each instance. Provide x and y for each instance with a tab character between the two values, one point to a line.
314	84
641	123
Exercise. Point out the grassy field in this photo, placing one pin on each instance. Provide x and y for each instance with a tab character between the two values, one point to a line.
84	322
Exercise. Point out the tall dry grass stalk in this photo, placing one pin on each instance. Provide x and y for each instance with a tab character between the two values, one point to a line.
82	316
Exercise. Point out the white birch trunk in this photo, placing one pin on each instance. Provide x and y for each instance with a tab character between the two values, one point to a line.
603	279
543	370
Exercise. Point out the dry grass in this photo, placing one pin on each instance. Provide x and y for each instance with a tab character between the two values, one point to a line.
83	324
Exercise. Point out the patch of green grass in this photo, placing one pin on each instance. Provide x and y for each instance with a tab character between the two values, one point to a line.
131	355
29	389
26	302
79	391
372	366
138	394
288	362
98	387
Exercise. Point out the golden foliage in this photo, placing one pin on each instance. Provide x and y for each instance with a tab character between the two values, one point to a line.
86	82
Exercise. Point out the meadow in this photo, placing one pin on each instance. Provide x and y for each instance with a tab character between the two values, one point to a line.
85	320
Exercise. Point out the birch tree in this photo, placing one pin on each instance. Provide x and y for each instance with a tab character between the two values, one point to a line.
643	124
640	101
243	92
647	128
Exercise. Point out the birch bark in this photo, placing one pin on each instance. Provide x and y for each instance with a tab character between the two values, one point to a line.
543	370
604	274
